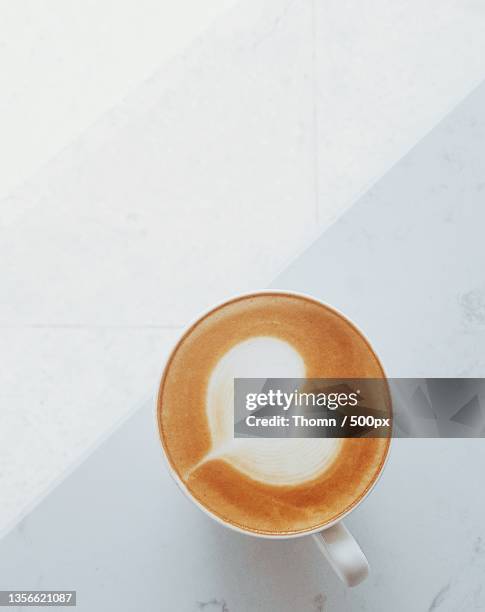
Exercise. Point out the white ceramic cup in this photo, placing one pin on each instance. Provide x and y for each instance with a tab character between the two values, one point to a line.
334	540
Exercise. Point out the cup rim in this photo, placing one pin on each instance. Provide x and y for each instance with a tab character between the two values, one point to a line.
173	473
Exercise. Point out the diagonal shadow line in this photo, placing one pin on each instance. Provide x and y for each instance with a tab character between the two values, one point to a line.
105	122
107	434
372	182
72	467
123	420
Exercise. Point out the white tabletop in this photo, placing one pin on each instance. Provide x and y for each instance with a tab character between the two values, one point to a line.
406	263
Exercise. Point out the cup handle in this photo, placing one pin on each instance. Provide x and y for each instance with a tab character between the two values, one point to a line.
343	553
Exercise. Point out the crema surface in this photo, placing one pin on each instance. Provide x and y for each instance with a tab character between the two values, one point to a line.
270	486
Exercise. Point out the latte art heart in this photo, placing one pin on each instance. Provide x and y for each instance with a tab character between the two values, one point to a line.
265	486
271	461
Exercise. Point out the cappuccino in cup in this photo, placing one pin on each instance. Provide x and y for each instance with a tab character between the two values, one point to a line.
271	487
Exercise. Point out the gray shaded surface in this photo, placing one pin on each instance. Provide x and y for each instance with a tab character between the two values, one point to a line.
120	533
406	263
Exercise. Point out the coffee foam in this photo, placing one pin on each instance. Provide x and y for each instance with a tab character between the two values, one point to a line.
271	461
269	486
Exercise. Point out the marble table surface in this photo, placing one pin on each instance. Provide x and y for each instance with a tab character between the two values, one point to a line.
407	264
230	158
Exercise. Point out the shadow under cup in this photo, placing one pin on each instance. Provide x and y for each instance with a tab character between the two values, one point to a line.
280	488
